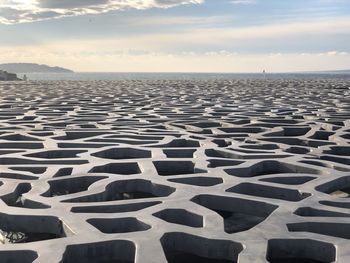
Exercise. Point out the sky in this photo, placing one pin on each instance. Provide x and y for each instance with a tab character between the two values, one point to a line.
177	35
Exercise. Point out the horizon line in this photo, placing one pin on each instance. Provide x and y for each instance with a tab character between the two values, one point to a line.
199	72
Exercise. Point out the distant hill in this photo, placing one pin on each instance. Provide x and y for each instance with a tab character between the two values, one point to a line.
32	68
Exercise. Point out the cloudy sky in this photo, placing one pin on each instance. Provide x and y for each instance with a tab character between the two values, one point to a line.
177	35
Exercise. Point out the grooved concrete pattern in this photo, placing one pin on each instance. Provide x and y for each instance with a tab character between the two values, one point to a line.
175	171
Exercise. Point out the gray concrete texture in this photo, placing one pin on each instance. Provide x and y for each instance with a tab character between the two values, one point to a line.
175	171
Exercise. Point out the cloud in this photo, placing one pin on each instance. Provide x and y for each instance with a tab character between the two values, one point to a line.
19	11
243	2
67	4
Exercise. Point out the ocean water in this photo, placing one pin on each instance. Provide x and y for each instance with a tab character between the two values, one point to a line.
178	76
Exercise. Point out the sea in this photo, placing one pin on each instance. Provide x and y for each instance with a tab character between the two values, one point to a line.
107	76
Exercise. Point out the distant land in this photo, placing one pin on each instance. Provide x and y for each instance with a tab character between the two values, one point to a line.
32	68
341	71
344	71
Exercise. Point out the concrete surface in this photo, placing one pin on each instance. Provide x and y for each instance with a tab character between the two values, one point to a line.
175	171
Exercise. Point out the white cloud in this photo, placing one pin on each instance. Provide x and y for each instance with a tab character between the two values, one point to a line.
334	53
243	2
18	11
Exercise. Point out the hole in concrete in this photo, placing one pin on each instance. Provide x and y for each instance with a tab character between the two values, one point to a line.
206	124
335	204
181	217
322	164
241	130
313	212
183	153
79	135
260	146
250	151
15	199
270	167
18	137
289	180
26	229
335	159
16	176
117	168
341	230
123	153
180	143
33	170
290	131
44	134
298	142
220	154
118	225
269	192
56	154
71	185
19	161
185	248
114	208
122	141
21	145
18	256
346	136
300	251
83	145
198	181
339	187
117	251
222	143
339	150
213	163
321	135
238	214
137	137
342	193
297	150
63	172
168	168
126	190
